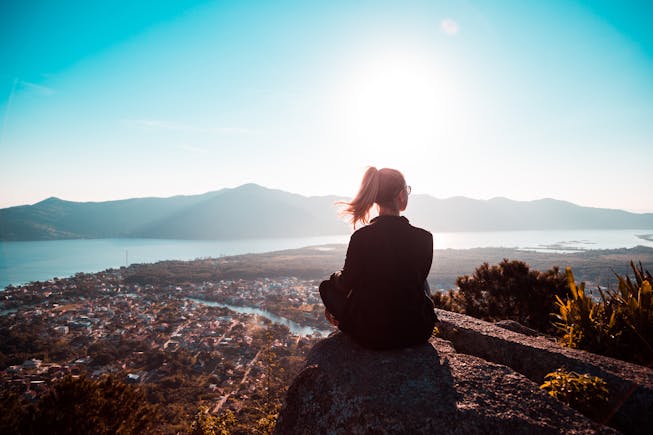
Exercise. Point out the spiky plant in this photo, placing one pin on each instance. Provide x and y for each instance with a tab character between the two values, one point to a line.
620	324
583	392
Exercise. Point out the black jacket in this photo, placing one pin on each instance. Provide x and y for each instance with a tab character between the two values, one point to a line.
385	270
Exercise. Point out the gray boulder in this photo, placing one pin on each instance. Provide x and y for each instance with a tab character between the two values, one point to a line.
630	407
513	326
347	389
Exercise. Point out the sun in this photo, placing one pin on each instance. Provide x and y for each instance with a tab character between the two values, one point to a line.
395	99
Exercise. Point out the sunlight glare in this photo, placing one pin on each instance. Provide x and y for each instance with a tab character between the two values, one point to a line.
398	99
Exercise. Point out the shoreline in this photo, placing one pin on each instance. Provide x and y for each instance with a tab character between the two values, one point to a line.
594	266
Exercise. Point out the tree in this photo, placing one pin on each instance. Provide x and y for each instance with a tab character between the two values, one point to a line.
82	405
14	413
509	290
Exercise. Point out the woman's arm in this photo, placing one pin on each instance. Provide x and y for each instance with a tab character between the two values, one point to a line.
429	254
349	277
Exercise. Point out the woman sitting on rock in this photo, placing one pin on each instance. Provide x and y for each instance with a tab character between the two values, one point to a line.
380	296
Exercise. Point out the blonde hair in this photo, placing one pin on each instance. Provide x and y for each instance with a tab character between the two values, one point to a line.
379	186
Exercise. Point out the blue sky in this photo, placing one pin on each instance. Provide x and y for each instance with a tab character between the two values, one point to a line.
521	99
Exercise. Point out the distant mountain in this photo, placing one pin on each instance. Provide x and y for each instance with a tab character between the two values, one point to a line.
253	211
502	214
248	211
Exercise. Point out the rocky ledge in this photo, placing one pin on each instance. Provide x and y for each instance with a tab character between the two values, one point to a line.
477	378
630	406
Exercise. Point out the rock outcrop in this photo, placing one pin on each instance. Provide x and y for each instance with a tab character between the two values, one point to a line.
630	407
513	326
346	389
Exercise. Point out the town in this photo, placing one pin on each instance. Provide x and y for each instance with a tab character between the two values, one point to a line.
180	343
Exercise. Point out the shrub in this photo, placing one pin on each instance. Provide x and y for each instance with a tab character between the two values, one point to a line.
206	423
80	406
15	412
83	405
581	320
619	324
509	290
267	423
635	300
586	394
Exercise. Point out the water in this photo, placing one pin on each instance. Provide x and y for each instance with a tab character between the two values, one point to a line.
295	328
22	262
561	241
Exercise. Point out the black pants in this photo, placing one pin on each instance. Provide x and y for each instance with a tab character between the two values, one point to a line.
333	298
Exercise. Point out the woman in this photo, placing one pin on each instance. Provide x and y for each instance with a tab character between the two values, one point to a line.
379	298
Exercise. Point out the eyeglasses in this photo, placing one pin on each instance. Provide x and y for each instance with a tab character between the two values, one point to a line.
406	188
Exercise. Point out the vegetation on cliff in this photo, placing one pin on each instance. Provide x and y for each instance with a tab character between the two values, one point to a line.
510	290
80	405
619	324
583	392
616	323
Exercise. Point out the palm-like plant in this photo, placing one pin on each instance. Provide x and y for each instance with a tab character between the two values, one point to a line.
620	324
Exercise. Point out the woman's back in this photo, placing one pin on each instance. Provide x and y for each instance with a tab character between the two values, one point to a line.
379	296
386	268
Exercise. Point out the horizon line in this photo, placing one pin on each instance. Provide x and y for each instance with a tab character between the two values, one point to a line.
318	196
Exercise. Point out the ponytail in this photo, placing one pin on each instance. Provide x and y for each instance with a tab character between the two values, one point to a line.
359	207
378	186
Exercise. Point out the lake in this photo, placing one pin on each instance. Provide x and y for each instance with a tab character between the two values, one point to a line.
22	262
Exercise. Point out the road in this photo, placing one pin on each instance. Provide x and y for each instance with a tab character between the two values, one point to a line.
226	397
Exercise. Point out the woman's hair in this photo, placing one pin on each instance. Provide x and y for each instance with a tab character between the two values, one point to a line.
379	186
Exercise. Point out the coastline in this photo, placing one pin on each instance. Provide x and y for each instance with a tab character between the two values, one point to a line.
24	262
595	266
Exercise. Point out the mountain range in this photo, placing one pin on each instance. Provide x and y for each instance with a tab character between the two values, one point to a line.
253	211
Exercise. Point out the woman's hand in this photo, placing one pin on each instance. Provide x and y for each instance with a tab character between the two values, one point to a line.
331	318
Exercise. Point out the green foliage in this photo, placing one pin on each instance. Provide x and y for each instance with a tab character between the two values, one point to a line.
585	393
82	406
509	290
619	324
580	320
266	424
206	423
635	299
14	413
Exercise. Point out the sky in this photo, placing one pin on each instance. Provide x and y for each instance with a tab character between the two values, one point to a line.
520	99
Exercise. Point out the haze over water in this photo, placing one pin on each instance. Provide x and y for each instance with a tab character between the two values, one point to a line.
22	262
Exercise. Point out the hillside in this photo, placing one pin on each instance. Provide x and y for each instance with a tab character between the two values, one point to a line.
253	211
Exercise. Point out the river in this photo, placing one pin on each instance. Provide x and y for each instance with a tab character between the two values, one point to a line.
295	328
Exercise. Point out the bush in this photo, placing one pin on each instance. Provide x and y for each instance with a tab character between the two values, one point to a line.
206	423
81	406
14	413
634	301
581	320
619	324
586	394
509	290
